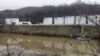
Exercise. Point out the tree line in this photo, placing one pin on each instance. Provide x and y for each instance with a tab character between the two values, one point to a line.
36	14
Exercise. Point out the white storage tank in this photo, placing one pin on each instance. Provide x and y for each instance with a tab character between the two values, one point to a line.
47	20
59	20
9	21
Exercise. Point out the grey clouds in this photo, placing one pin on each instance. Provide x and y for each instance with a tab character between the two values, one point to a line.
15	4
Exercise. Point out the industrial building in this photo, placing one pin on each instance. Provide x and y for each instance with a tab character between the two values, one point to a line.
16	21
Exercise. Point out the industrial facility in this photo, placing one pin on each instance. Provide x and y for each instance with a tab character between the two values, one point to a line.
16	21
72	20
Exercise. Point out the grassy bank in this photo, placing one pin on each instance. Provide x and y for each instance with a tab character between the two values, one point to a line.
58	29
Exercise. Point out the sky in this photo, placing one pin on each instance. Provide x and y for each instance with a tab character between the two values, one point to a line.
16	4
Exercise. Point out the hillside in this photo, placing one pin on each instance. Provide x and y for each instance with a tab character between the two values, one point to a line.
36	14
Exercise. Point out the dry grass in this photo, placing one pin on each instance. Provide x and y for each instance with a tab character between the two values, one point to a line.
60	29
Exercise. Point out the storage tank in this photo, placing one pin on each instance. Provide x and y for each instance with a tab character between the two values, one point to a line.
9	21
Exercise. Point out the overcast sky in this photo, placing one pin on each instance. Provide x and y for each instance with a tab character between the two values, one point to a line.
15	4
